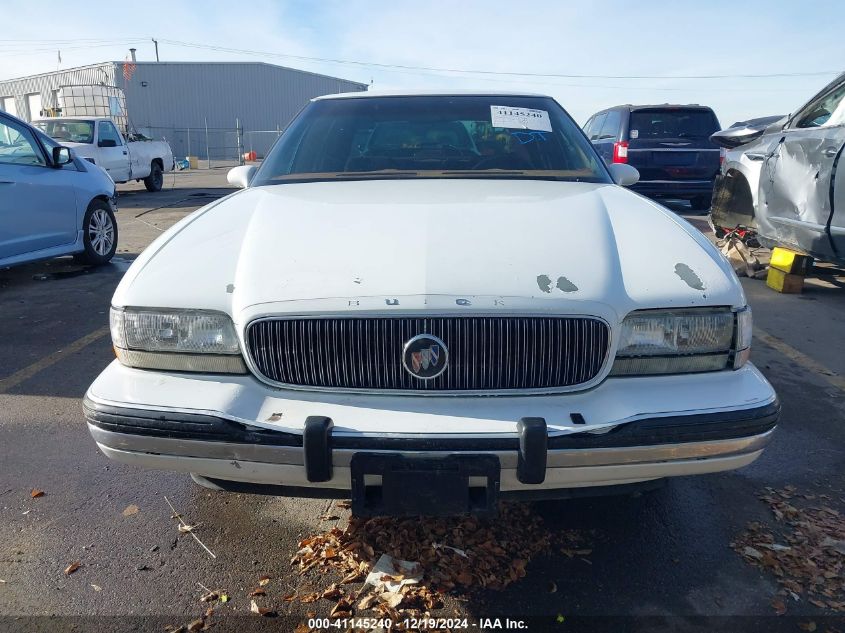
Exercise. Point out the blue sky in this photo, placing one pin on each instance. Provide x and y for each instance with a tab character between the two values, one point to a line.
598	38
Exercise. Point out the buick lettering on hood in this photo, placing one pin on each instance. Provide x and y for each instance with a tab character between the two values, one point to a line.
427	303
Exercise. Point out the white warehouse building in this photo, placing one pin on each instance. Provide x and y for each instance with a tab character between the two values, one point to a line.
205	109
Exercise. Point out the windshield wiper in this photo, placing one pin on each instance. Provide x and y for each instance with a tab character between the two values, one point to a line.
542	174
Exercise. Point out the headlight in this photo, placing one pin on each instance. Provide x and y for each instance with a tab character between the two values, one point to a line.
681	341
176	340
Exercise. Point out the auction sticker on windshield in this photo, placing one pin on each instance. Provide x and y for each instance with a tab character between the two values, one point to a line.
520	118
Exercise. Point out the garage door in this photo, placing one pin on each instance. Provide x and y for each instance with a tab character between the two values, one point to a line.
33	104
7	104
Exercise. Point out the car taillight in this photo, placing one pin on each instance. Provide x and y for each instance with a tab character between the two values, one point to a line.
620	152
722	153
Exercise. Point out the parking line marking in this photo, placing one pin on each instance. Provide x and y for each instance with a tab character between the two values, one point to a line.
800	358
48	361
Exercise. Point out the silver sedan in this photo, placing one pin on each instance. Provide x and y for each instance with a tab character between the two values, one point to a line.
52	202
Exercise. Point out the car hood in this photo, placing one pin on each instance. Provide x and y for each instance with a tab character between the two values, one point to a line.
491	244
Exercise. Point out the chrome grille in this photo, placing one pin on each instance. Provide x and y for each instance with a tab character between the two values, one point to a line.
485	353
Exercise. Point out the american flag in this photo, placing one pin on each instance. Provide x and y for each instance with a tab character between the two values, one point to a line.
128	69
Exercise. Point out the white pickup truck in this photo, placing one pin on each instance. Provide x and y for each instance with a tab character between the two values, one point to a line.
98	140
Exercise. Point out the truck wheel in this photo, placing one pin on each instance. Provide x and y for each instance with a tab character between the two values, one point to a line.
700	203
99	234
155	180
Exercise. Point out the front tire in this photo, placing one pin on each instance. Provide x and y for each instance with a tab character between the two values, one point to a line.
155	180
99	234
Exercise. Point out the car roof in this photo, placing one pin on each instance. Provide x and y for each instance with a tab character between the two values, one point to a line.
658	106
427	93
72	118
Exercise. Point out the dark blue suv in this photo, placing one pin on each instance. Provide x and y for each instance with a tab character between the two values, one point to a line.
669	144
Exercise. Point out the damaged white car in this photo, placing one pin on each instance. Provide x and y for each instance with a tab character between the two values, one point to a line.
784	177
428	302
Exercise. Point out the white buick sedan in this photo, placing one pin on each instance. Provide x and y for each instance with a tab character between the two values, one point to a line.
428	302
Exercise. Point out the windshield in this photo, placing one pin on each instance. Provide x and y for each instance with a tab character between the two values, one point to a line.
432	137
672	123
68	131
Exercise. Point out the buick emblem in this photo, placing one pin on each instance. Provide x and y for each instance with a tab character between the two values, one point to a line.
425	356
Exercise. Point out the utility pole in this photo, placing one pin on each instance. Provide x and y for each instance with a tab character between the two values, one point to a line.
155	41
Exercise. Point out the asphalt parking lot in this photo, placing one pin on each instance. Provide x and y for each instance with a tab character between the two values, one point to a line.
666	553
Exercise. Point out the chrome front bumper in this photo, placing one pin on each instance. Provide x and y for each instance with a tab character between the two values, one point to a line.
219	449
233	432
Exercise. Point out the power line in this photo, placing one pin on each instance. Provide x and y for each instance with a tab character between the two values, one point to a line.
490	72
52	50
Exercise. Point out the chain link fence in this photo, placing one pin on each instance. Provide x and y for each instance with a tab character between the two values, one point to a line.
213	147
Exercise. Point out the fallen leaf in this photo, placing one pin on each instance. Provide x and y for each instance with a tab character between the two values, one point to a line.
224	597
818	603
130	510
367	601
302	628
36	493
352	577
196	625
185	528
807	626
329	517
776	547
72	568
263	581
257	592
262	611
311	597
344	504
289	597
97	587
392	600
751	552
341	609
275	417
332	593
779	606
834	544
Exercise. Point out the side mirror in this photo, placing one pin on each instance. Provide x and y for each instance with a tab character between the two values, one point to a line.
107	142
61	156
240	176
623	174
736	136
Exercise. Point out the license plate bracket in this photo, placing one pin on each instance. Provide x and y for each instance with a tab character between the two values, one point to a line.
432	486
